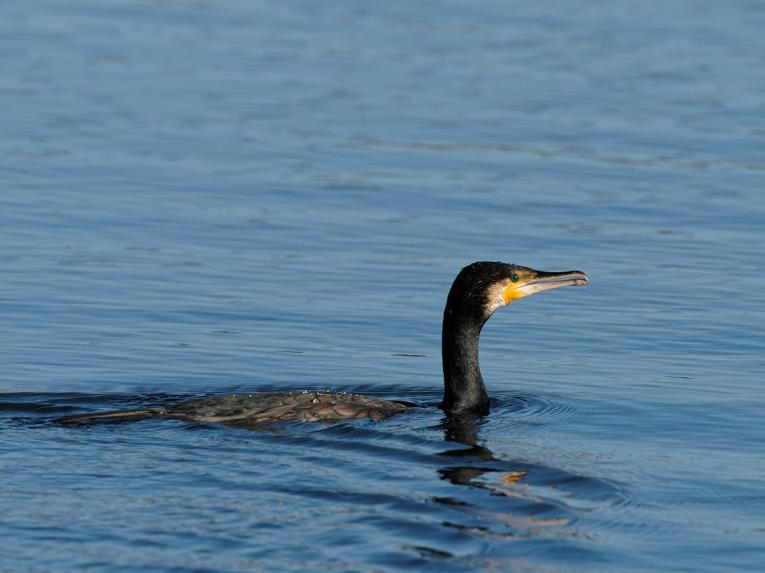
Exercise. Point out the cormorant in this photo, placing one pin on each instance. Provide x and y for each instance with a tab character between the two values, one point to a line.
479	290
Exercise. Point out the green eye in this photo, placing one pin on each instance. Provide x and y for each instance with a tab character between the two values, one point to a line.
514	278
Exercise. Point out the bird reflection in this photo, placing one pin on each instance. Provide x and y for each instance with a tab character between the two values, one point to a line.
464	430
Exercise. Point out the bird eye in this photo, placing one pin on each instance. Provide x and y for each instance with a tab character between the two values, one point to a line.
514	278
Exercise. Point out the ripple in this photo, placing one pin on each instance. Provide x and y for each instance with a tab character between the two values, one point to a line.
414	474
513	410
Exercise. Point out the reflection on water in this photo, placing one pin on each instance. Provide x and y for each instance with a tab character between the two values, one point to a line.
528	500
394	476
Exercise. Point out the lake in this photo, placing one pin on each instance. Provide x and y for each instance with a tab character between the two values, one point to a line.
229	197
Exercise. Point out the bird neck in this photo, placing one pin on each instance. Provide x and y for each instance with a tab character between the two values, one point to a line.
464	390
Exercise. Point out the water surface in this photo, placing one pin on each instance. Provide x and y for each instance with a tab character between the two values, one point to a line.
205	198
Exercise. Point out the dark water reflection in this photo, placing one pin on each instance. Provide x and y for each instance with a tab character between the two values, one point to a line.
331	485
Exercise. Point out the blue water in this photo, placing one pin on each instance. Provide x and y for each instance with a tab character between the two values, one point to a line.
213	197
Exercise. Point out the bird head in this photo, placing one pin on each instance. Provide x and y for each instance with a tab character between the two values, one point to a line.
485	286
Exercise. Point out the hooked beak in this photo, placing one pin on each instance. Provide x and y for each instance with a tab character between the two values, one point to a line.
541	281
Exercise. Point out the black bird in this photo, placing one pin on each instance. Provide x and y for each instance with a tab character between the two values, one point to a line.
478	290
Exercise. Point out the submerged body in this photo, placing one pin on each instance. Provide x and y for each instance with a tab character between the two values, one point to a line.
478	290
257	409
